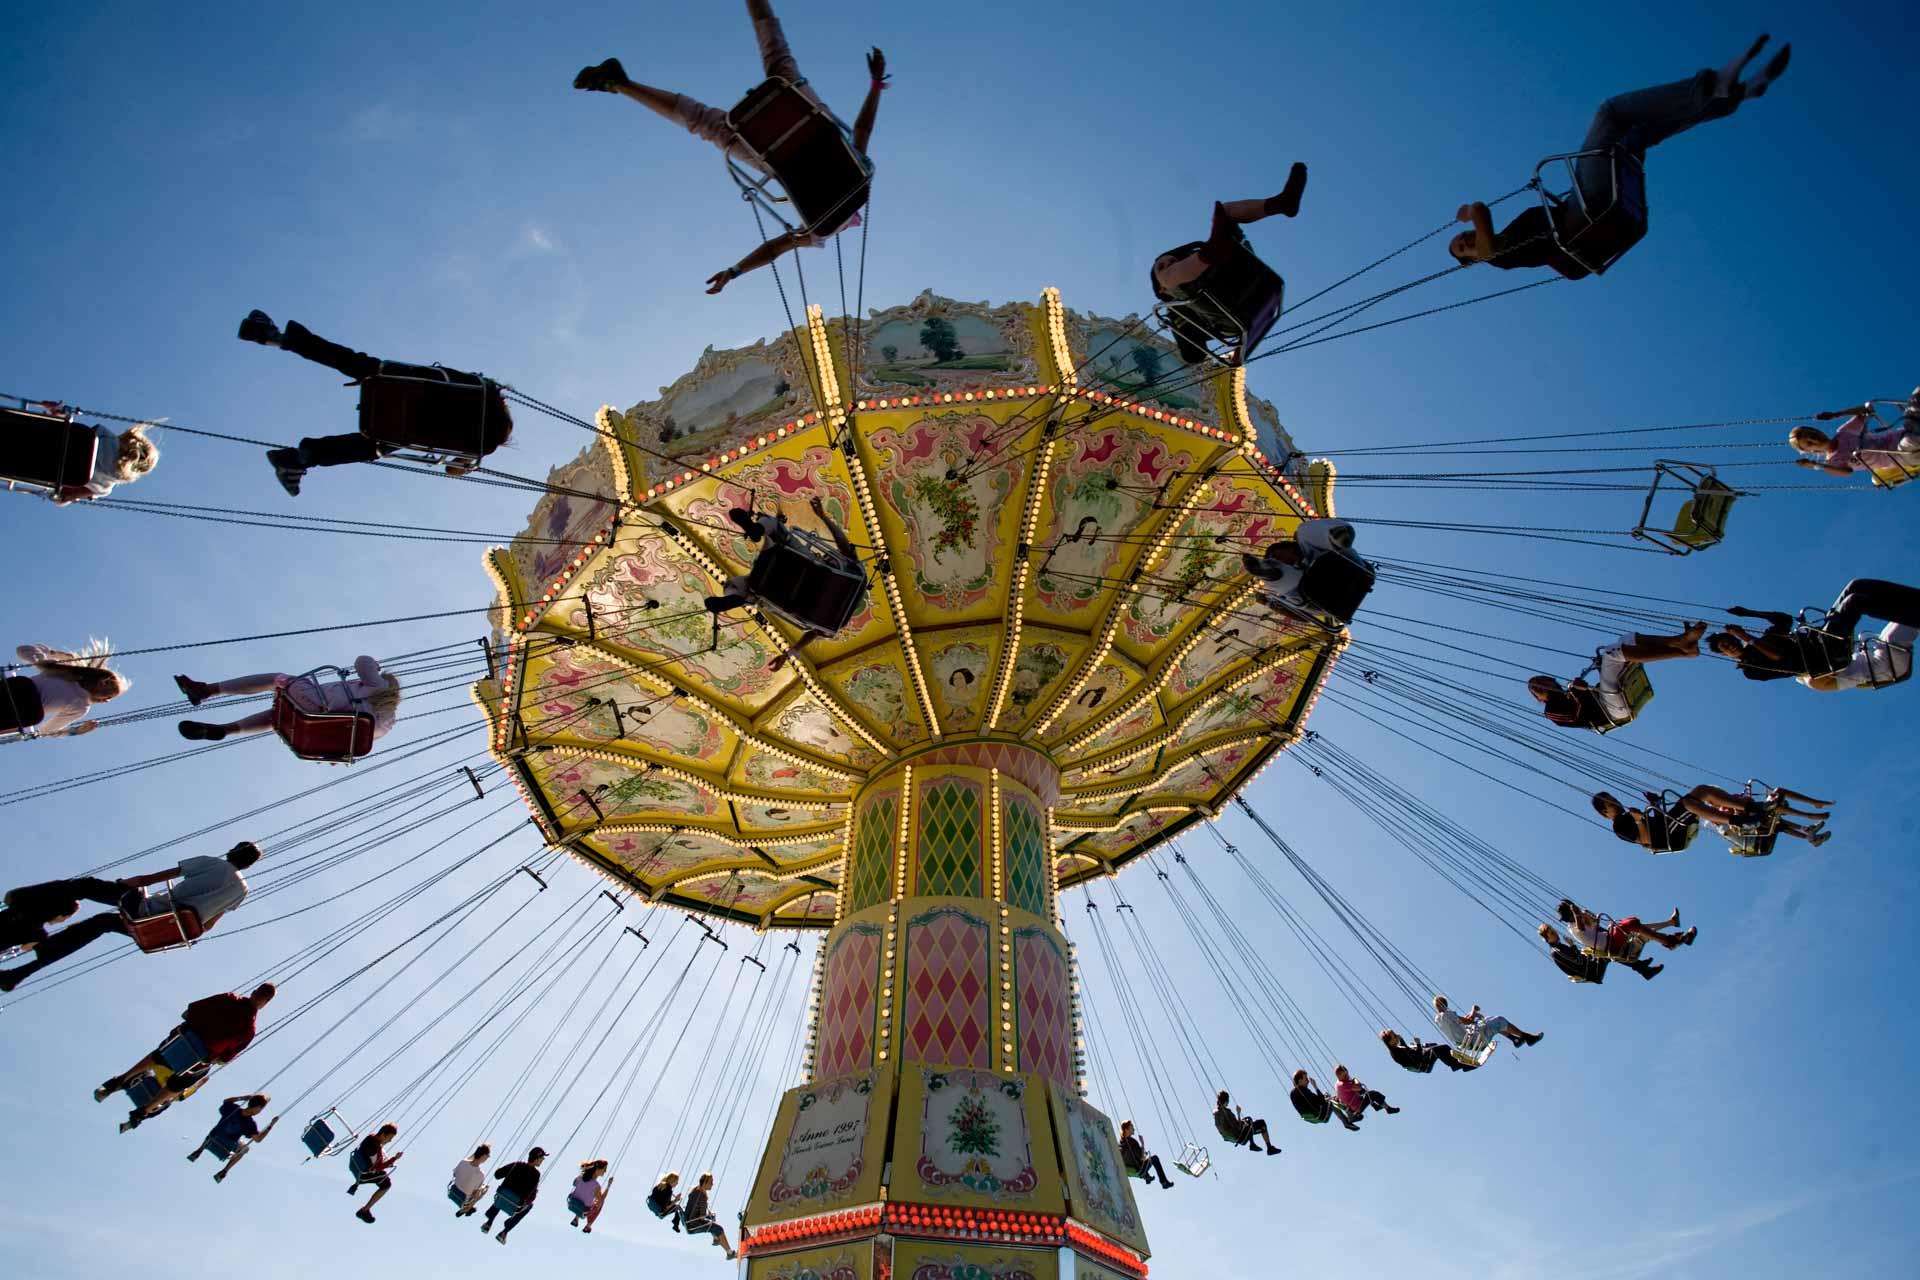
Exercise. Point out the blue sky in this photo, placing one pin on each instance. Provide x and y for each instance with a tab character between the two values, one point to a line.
423	184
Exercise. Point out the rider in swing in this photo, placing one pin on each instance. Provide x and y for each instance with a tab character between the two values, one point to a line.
711	123
771	530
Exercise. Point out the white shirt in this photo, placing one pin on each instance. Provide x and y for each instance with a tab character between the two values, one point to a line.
211	886
469	1177
62	703
1451	1027
1323	534
1589	934
106	462
1883	659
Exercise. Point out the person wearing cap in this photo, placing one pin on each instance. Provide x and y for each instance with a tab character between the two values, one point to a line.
520	1178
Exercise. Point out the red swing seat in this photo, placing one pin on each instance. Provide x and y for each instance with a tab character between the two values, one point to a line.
155	924
336	737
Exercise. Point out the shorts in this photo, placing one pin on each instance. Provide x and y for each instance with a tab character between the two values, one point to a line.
1613	664
1620	935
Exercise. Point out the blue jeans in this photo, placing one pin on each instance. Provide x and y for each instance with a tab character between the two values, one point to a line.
1638	121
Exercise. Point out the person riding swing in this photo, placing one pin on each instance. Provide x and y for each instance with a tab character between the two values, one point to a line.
444	417
796	575
1239	1129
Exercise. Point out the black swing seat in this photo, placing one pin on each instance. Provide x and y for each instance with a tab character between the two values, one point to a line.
805	580
44	453
1579	966
787	137
1596	227
1332	588
1672	832
434	415
1227	309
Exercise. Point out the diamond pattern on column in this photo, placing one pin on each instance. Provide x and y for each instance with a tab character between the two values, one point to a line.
1046	1013
949	851
1026	853
870	863
949	979
847	1003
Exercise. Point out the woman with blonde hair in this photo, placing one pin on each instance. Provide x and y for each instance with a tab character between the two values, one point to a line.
369	690
120	457
55	701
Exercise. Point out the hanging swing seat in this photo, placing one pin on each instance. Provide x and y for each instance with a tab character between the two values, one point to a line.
785	138
1580	966
1595	227
155	923
1702	519
337	737
1334	585
360	1167
1635	687
806	581
433	415
660	1208
20	705
320	1137
577	1206
1194	1160
459	1197
508	1202
45	453
221	1147
1672	830
1226	310
1234	1131
1473	1056
182	1053
1891	468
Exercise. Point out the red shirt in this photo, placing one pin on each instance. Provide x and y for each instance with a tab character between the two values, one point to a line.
224	1024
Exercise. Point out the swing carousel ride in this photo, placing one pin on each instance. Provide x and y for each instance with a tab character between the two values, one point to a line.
1060	665
893	627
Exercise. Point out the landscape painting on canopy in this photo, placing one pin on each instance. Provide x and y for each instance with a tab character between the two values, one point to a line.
917	346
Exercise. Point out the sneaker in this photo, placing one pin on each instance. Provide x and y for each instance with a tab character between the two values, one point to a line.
287	469
1819	838
748	525
194	1154
10	978
1649	971
502	1237
1686	939
604	77
221	1176
198	731
196	692
365	1214
259	327
100	1095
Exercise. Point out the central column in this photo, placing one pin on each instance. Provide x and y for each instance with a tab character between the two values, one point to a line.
943	1125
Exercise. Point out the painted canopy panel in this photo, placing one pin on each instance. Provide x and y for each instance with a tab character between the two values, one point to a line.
1050	510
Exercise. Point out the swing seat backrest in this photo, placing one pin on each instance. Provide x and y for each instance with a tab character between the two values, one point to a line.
508	1202
317	1136
1890	468
1702	521
1637	689
1752	842
182	1053
452	416
1194	1161
155	924
1596	225
809	153
358	1164
1335	583
1234	302
576	1205
806	582
1672	832
144	1089
220	1146
40	451
1579	966
337	737
659	1208
455	1194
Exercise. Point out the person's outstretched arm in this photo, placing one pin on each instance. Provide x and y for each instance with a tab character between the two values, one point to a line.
863	123
834	531
156	877
1775	620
